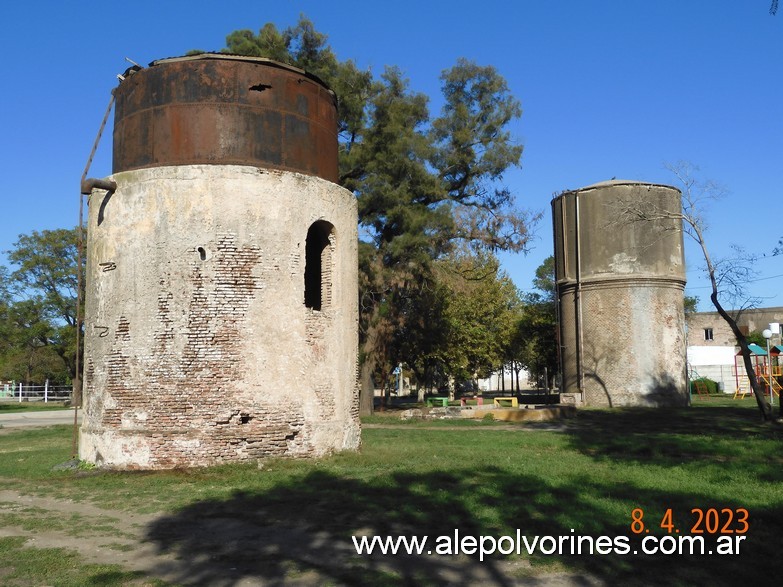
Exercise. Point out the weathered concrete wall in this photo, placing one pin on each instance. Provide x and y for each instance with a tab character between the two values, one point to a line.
199	348
620	293
748	320
633	347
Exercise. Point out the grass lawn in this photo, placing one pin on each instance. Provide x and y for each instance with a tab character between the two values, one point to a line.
9	407
480	478
22	566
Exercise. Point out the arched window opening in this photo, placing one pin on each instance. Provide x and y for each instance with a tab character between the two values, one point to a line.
319	251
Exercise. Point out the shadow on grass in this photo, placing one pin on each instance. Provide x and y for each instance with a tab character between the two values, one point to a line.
300	530
671	436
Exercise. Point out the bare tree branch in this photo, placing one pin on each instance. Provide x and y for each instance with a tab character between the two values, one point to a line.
728	277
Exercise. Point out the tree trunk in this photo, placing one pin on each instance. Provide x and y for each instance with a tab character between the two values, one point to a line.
384	391
758	392
372	350
764	407
366	387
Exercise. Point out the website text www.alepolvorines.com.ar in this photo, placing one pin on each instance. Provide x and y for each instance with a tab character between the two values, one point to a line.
569	544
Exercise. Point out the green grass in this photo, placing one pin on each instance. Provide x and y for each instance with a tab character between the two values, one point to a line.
31	518
22	566
481	479
8	406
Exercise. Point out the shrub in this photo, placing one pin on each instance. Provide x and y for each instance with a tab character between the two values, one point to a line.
712	386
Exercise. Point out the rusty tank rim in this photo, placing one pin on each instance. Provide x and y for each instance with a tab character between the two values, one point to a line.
225	109
247	58
614	183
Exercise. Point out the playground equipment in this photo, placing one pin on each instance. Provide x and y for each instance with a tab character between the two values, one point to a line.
701	389
743	388
697	383
765	379
762	370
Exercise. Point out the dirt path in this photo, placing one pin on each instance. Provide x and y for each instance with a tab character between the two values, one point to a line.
238	549
100	536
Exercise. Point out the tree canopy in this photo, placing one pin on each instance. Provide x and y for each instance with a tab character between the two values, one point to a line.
38	308
433	209
533	345
478	305
426	185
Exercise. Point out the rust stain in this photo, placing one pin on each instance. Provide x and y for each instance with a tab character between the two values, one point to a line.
237	111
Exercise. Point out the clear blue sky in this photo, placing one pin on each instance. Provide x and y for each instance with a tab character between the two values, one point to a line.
609	88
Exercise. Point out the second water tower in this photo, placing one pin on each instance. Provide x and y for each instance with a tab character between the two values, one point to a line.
620	290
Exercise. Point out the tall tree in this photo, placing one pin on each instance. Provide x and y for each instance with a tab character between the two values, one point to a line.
401	214
544	281
691	304
474	149
480	304
29	345
46	271
534	342
423	185
39	317
427	188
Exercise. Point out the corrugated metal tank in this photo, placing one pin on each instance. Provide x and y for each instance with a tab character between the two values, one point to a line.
221	304
620	288
215	108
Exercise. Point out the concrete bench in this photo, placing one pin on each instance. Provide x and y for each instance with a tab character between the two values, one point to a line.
443	401
499	402
463	401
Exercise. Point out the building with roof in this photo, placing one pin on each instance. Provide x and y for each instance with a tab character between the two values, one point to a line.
712	347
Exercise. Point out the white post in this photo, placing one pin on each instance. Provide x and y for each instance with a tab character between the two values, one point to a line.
20	392
767	333
46	391
769	365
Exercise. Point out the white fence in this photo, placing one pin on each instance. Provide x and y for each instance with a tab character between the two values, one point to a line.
35	393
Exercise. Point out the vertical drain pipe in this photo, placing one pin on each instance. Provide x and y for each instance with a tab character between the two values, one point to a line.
579	329
86	186
561	203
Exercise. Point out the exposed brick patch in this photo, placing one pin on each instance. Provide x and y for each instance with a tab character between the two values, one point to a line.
191	402
123	329
166	331
316	327
325	395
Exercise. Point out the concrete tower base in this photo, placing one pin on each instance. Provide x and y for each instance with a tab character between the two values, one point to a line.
217	324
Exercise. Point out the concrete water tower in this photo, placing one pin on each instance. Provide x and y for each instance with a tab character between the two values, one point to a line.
221	308
620	289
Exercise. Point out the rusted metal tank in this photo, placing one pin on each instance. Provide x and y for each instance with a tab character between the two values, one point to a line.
225	109
620	288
